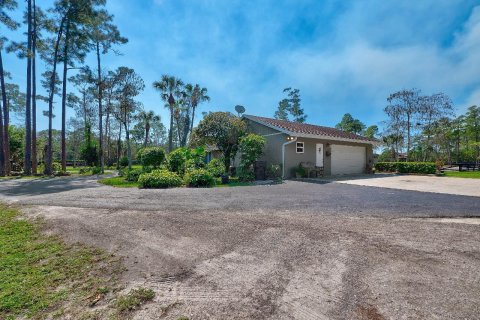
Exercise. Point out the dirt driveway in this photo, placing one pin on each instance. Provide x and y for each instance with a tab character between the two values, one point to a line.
290	251
457	186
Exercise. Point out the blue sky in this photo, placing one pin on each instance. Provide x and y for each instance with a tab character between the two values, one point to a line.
344	56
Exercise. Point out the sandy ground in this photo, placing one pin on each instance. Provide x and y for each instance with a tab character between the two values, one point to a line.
278	252
456	186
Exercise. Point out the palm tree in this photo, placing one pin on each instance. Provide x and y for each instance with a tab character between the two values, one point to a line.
196	95
170	87
147	118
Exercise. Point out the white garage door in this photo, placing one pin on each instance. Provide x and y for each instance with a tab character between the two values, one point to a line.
348	159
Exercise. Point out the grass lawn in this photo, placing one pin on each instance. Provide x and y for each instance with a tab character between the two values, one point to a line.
39	273
234	182
120	182
463	174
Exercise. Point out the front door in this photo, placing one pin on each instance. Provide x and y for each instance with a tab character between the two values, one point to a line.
319	162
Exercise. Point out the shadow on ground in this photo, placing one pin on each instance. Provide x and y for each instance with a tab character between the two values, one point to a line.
34	187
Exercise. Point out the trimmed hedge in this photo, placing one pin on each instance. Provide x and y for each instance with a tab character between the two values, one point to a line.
159	179
199	178
406	167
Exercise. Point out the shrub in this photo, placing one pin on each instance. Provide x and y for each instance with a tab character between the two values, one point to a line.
176	160
183	159
133	175
85	170
159	179
123	162
251	148
199	178
56	167
216	167
406	167
96	170
153	156
300	171
274	171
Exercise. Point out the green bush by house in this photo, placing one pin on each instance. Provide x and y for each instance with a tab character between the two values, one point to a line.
199	178
406	167
251	148
216	167
152	157
159	179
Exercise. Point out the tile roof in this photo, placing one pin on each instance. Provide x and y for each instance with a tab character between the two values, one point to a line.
308	129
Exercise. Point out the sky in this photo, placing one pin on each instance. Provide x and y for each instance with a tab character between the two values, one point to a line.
344	56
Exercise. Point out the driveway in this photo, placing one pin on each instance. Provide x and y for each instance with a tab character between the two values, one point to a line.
291	251
457	186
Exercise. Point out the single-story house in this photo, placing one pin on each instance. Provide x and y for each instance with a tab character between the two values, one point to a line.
291	143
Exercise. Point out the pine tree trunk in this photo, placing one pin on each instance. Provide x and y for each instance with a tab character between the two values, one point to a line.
147	133
129	150
34	92
48	164
170	132
119	146
27	164
4	106
64	97
193	119
107	132
100	110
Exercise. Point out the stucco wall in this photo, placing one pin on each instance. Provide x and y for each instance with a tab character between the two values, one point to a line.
273	149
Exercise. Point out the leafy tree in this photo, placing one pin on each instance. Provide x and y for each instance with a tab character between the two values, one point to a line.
349	124
223	130
104	34
371	132
170	89
431	110
472	128
128	86
402	110
89	150
290	106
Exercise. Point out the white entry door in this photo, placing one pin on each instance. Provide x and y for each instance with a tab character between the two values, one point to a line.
348	159
319	161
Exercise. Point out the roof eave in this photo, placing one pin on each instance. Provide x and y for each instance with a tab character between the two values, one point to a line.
324	137
305	135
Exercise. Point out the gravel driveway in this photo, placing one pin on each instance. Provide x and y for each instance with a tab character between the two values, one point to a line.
291	251
444	185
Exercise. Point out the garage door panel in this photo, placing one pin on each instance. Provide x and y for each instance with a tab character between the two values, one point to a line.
348	159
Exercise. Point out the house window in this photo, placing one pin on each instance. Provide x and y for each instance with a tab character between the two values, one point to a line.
300	147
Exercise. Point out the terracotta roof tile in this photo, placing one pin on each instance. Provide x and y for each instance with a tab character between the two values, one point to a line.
310	129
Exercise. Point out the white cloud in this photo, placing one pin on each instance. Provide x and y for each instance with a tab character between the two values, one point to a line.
369	71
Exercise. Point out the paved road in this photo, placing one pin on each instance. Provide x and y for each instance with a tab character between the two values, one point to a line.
290	197
290	251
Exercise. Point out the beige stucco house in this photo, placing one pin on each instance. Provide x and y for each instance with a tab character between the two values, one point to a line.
290	143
